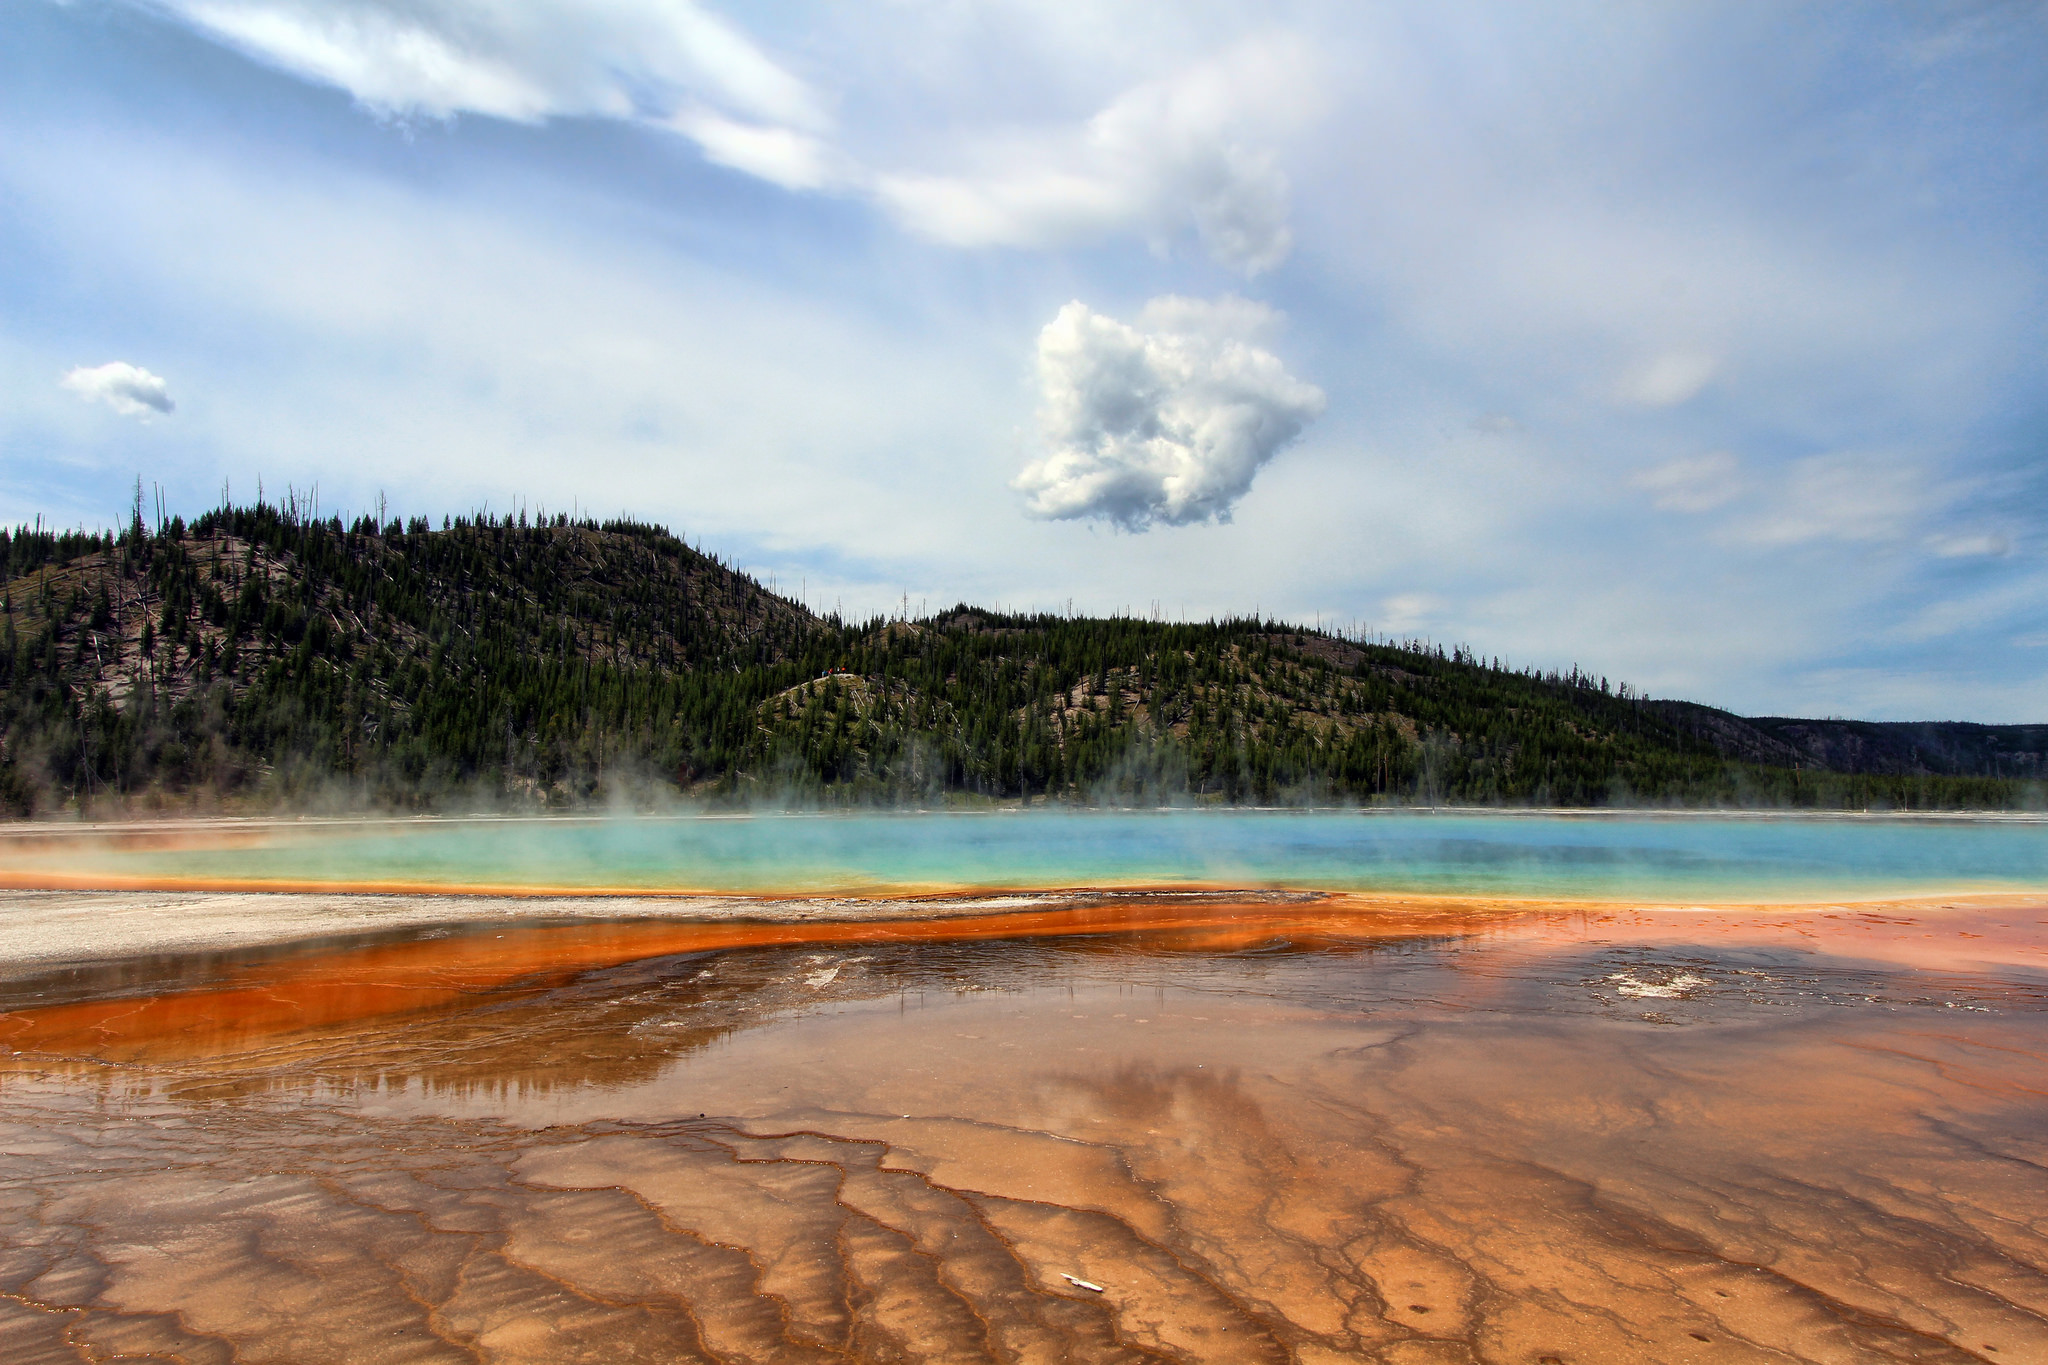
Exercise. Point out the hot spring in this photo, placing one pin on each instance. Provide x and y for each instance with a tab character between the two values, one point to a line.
1146	1087
1589	857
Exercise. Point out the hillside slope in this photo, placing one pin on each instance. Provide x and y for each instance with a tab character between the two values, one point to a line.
253	650
257	658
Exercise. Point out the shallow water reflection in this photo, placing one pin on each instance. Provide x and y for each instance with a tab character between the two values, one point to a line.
1141	1145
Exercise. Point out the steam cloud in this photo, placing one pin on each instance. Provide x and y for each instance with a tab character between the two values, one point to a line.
1167	421
128	389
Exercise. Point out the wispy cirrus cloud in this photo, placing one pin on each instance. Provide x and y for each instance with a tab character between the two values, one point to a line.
667	63
1187	152
1668	379
1971	545
1845	497
1191	151
537	60
1693	483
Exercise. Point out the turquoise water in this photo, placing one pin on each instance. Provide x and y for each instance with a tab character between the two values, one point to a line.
1669	858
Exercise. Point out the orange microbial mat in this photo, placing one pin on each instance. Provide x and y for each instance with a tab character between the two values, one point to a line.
1201	1127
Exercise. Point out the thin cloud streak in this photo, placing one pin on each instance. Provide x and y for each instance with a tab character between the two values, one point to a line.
1188	152
1192	150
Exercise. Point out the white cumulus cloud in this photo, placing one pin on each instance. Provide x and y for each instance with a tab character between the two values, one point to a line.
1167	421
128	389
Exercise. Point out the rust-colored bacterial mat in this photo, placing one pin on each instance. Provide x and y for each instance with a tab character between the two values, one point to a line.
1321	1131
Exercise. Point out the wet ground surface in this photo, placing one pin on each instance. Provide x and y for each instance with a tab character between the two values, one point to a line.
1234	1141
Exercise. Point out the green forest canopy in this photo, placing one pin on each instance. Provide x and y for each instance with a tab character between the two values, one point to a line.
260	657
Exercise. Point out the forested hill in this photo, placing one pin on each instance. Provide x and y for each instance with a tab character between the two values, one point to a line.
260	658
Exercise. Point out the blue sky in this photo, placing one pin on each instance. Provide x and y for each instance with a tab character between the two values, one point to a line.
1700	344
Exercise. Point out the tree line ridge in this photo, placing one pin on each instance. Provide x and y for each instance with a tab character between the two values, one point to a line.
260	657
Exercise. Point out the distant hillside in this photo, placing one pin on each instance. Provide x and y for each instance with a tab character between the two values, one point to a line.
262	655
258	658
1950	748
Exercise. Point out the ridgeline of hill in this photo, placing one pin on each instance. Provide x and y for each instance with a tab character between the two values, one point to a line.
259	658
